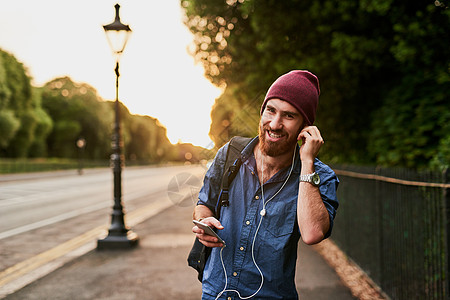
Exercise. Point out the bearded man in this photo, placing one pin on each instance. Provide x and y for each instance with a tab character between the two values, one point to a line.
281	192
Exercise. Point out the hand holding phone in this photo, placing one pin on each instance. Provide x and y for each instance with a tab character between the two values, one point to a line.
208	230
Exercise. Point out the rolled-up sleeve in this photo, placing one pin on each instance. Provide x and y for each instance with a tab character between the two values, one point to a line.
328	188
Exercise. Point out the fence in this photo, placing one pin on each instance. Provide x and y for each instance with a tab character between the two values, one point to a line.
395	225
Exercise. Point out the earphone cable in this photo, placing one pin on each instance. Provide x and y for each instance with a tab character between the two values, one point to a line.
262	213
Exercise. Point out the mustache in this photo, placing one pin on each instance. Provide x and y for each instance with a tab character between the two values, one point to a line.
276	131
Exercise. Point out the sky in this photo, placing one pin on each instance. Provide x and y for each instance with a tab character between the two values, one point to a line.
158	78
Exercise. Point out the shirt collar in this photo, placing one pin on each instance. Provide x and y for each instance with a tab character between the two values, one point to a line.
248	152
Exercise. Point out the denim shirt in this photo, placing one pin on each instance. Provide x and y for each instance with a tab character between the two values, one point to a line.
275	248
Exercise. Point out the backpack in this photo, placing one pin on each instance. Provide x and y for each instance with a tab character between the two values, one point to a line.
199	253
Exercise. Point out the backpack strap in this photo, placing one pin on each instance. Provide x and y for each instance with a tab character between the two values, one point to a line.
232	164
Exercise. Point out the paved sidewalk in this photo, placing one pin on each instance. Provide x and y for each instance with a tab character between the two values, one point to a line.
157	269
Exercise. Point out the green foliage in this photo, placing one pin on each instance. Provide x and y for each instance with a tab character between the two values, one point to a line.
144	138
43	127
188	153
77	111
9	125
409	128
149	140
26	165
63	138
441	159
22	120
369	56
15	87
230	108
64	111
48	121
20	144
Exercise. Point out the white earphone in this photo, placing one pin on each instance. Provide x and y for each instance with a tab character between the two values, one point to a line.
263	212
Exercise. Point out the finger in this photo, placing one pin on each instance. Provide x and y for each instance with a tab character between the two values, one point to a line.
217	224
195	229
315	131
207	238
307	132
211	245
303	135
313	134
310	130
212	222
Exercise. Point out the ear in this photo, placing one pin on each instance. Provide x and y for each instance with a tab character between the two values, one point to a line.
303	125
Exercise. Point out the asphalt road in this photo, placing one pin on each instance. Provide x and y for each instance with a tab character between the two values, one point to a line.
50	222
50	208
155	269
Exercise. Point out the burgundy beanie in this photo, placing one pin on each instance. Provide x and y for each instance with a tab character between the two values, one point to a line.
300	89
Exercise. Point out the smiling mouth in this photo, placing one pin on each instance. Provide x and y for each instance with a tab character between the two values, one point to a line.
274	135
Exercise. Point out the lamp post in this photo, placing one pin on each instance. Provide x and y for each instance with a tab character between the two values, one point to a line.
119	236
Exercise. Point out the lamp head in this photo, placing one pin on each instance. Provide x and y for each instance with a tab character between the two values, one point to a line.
117	34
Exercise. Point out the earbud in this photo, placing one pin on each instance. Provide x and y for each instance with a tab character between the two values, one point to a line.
262	213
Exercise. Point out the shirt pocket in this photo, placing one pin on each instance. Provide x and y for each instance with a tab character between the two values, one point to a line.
280	218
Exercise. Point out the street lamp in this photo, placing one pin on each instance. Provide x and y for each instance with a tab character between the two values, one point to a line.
119	236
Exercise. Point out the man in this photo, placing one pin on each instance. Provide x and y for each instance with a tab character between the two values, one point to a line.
275	199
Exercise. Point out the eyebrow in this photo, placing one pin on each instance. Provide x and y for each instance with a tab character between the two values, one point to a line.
285	112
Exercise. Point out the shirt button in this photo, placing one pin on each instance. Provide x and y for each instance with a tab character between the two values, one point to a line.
229	298
256	197
242	248
234	274
247	222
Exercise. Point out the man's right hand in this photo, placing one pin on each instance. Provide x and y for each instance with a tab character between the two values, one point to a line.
205	239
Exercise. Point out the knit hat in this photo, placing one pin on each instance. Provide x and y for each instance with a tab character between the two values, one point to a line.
300	89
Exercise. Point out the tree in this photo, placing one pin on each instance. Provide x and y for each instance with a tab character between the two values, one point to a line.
44	126
22	120
77	111
144	137
48	121
364	53
9	125
412	126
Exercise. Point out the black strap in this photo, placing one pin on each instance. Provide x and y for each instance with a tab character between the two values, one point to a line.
231	168
199	253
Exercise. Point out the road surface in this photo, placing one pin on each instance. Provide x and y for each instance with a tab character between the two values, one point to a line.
41	211
49	219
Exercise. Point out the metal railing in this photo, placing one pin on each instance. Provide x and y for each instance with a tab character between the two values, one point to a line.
395	225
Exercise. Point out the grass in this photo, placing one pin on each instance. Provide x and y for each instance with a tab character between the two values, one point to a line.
25	165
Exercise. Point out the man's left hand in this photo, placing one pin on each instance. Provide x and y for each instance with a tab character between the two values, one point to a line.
311	142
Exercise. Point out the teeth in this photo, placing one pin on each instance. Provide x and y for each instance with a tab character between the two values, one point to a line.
273	135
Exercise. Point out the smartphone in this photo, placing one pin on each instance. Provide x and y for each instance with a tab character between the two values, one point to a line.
208	230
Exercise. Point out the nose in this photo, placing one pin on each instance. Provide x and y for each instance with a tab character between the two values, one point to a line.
275	123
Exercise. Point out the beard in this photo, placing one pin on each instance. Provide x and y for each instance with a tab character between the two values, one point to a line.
275	148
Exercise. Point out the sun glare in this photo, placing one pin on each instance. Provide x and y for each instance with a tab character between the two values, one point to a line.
158	77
